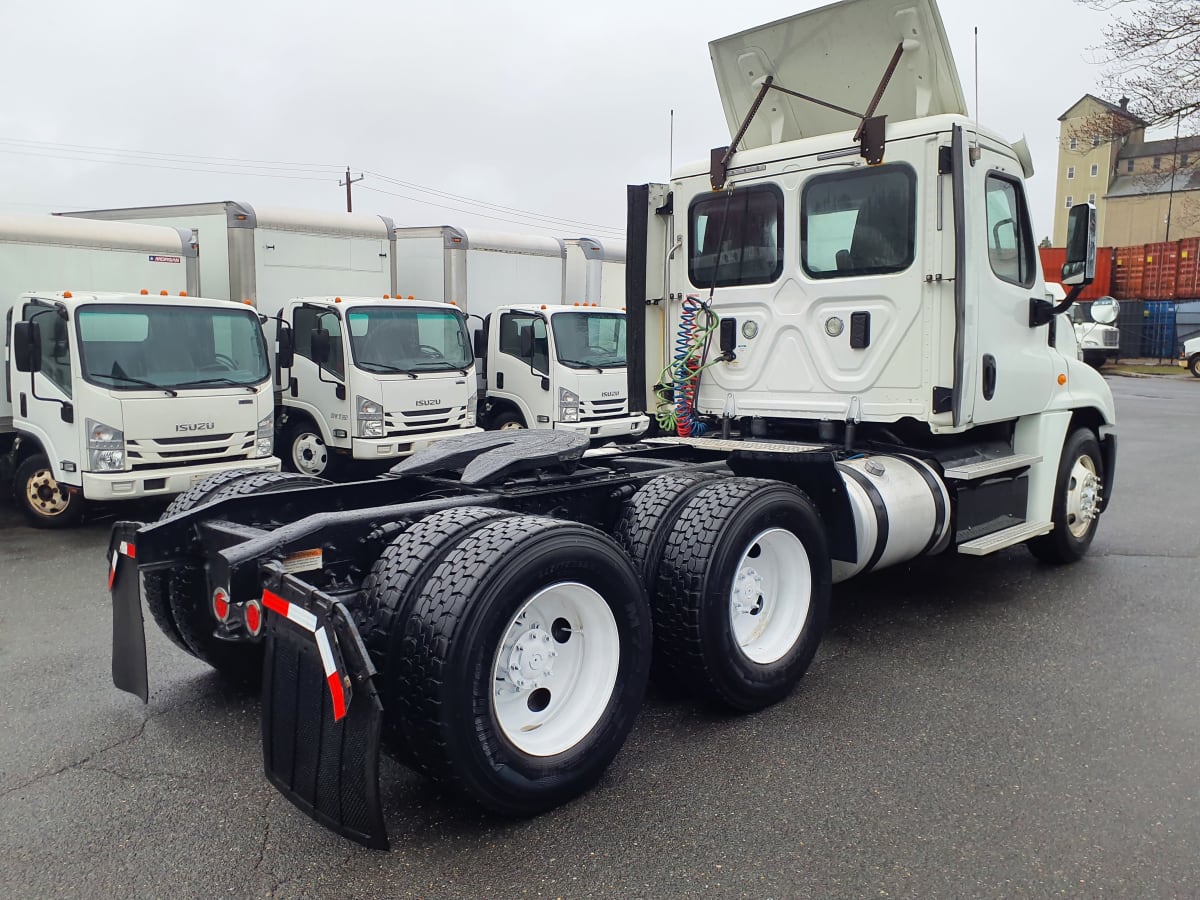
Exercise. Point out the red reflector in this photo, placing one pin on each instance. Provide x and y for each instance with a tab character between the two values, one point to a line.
221	604
253	617
275	603
338	697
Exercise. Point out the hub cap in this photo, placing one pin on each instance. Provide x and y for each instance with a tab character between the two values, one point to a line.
1083	496
309	453
555	669
45	495
770	596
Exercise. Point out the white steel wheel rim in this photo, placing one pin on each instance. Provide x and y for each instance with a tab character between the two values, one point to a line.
1083	496
555	669
770	595
309	453
511	425
45	495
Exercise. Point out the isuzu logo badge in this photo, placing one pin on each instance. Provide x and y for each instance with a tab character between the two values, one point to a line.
427	403
196	426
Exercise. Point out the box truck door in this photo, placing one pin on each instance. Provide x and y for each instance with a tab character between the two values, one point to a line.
42	401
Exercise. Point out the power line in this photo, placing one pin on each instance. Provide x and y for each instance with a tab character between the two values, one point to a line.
280	169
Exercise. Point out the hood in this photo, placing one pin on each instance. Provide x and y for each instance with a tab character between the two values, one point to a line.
837	54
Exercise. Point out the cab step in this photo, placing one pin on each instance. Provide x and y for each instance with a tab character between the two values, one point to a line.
998	540
989	467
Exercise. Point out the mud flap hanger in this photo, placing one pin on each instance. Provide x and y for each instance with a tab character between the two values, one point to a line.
870	133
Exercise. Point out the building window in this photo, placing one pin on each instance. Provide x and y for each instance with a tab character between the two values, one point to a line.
1129	165
1091	198
1157	163
1070	171
1095	140
1183	161
1074	143
1095	170
1069	201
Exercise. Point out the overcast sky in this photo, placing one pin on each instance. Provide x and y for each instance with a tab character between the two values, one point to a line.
543	111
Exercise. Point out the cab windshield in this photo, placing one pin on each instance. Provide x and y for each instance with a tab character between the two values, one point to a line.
135	347
585	340
395	339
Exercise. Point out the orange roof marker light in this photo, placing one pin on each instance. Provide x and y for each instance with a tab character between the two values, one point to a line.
543	306
164	293
145	292
337	299
67	295
411	297
183	293
387	296
248	302
452	303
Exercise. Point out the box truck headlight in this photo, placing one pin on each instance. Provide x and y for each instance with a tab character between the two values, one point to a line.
370	418
106	447
266	437
568	405
469	419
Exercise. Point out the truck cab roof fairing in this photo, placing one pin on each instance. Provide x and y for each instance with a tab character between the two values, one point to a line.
837	54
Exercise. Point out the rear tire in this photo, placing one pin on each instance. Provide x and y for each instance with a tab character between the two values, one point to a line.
1194	365
187	586
648	515
1076	501
45	502
392	587
530	647
743	592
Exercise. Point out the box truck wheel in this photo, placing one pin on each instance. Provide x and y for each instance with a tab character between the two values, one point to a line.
45	503
389	592
530	646
1076	508
507	419
305	450
187	587
1194	365
743	590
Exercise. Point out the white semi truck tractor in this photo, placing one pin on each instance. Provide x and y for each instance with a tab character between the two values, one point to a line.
843	323
125	386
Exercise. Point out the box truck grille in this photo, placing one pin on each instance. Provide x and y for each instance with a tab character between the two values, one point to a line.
423	421
595	410
159	453
1112	338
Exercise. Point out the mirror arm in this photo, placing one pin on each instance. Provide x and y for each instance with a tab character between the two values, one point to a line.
1062	307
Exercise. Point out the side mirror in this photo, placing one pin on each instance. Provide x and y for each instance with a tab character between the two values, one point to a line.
527	341
27	346
479	343
320	346
1105	310
1080	267
285	347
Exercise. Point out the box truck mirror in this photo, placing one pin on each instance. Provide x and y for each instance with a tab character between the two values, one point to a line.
285	351
320	346
479	342
27	346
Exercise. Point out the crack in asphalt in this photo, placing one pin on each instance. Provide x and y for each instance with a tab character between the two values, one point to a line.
82	762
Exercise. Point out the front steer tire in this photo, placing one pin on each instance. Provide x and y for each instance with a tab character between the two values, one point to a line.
1075	512
742	594
487	707
44	502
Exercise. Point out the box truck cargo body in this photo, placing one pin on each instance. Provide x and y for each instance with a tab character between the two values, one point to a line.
595	272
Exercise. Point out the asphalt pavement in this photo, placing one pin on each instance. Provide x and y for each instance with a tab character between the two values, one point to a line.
987	727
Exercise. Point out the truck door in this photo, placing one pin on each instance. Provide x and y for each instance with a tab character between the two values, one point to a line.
315	388
522	365
1013	369
40	399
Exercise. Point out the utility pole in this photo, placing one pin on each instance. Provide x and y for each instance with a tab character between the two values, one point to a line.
349	181
1174	165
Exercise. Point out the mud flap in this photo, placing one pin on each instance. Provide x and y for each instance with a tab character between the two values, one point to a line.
326	765
129	632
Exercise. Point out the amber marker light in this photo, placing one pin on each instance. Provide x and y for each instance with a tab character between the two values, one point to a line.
1062	379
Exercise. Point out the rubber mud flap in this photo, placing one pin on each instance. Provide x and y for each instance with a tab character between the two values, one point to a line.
327	768
129	632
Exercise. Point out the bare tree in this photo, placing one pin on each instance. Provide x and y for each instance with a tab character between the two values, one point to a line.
1151	54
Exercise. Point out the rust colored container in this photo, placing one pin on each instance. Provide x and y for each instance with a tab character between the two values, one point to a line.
1187	278
1128	265
1158	279
1102	286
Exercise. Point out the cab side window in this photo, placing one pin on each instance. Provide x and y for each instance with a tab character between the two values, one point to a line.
306	319
511	327
56	345
1009	236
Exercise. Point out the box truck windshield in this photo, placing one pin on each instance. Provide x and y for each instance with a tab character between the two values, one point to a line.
132	347
589	340
409	340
